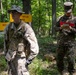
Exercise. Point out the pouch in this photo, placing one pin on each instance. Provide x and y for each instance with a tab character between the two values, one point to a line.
20	47
10	55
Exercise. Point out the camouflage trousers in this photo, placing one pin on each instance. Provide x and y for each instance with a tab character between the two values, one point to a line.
18	66
67	51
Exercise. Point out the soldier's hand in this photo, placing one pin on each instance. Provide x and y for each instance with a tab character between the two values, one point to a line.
27	62
62	27
70	27
65	27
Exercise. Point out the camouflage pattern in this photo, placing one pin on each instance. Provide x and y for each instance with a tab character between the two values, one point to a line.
15	8
16	41
66	43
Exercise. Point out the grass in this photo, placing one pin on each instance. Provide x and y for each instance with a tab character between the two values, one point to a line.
40	66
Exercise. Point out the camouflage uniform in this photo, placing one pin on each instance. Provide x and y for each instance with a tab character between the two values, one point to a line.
66	41
16	42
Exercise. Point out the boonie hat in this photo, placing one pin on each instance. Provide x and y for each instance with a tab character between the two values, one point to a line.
15	8
68	7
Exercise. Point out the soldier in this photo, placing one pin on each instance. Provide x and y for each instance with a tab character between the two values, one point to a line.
66	28
18	36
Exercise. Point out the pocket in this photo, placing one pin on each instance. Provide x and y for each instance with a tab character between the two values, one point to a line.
20	47
10	55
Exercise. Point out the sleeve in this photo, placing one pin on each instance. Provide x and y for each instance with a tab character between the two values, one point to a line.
57	26
73	29
5	40
31	38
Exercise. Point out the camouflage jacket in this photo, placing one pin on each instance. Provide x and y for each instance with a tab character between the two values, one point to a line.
22	34
63	35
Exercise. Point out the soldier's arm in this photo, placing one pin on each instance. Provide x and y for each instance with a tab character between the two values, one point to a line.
57	26
31	38
5	40
73	29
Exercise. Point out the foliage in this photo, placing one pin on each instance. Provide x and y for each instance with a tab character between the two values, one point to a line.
41	16
2	63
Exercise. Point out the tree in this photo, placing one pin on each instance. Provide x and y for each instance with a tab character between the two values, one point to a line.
27	7
53	16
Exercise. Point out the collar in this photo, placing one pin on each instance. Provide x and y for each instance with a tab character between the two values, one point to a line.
19	26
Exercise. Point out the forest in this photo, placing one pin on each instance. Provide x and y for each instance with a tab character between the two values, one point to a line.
41	11
44	15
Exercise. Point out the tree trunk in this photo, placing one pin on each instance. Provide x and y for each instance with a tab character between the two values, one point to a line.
27	7
53	16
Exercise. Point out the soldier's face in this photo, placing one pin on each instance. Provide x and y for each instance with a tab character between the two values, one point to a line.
67	14
15	16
